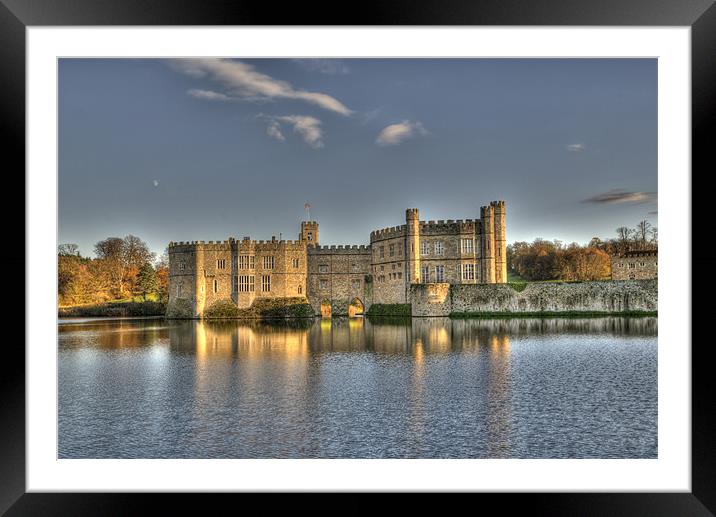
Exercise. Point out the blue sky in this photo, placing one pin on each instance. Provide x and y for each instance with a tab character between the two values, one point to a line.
210	148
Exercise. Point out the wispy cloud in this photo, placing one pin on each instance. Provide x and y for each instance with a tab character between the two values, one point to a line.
325	66
274	131
242	81
397	133
576	148
308	128
208	95
621	196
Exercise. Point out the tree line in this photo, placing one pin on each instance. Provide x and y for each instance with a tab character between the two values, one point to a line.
553	260
123	268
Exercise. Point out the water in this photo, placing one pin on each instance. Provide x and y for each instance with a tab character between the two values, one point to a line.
425	388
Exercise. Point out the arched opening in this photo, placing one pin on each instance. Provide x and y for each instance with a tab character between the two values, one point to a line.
326	309
356	308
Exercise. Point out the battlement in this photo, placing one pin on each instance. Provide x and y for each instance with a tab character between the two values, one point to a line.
388	233
340	249
229	244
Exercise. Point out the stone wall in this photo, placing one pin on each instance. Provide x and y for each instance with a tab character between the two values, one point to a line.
338	274
635	265
608	296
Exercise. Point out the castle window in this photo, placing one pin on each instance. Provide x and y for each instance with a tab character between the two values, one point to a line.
216	286
400	275
268	262
382	268
295	262
468	271
424	248
382	252
632	265
310	236
356	284
246	262
425	273
300	289
439	273
355	268
182	265
642	264
439	248
266	283
391	250
323	268
246	284
466	245
323	284
221	264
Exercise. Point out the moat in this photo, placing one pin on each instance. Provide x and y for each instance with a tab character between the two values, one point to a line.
352	388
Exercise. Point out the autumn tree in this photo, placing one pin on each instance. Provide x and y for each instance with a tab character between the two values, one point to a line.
122	260
162	273
147	281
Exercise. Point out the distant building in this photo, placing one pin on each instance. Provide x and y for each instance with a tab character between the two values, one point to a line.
635	265
469	251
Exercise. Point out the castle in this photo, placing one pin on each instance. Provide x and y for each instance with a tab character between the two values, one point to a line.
470	251
635	265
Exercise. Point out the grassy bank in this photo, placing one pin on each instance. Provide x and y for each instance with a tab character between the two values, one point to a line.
390	309
114	309
549	314
266	309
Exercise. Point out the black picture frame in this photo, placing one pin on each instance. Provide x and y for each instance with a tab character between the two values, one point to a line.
700	15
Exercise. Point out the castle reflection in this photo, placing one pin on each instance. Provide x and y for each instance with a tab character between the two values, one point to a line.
356	387
290	340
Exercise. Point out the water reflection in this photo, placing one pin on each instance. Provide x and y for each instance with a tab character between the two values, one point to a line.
353	387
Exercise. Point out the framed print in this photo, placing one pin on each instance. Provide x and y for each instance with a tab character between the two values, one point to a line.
416	253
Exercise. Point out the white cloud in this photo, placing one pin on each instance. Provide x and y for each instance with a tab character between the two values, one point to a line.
208	95
274	131
308	128
576	148
397	133
242	81
156	183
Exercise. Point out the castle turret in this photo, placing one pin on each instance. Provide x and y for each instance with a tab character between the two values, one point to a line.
487	214
309	232
412	244
500	242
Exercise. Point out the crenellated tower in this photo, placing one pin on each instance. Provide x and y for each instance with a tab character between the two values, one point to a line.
309	232
500	242
412	244
487	249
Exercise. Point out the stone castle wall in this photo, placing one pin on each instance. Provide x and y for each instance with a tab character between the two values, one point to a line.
635	266
203	273
605	296
337	275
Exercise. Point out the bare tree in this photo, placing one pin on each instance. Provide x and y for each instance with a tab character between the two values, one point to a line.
623	237
68	249
642	233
